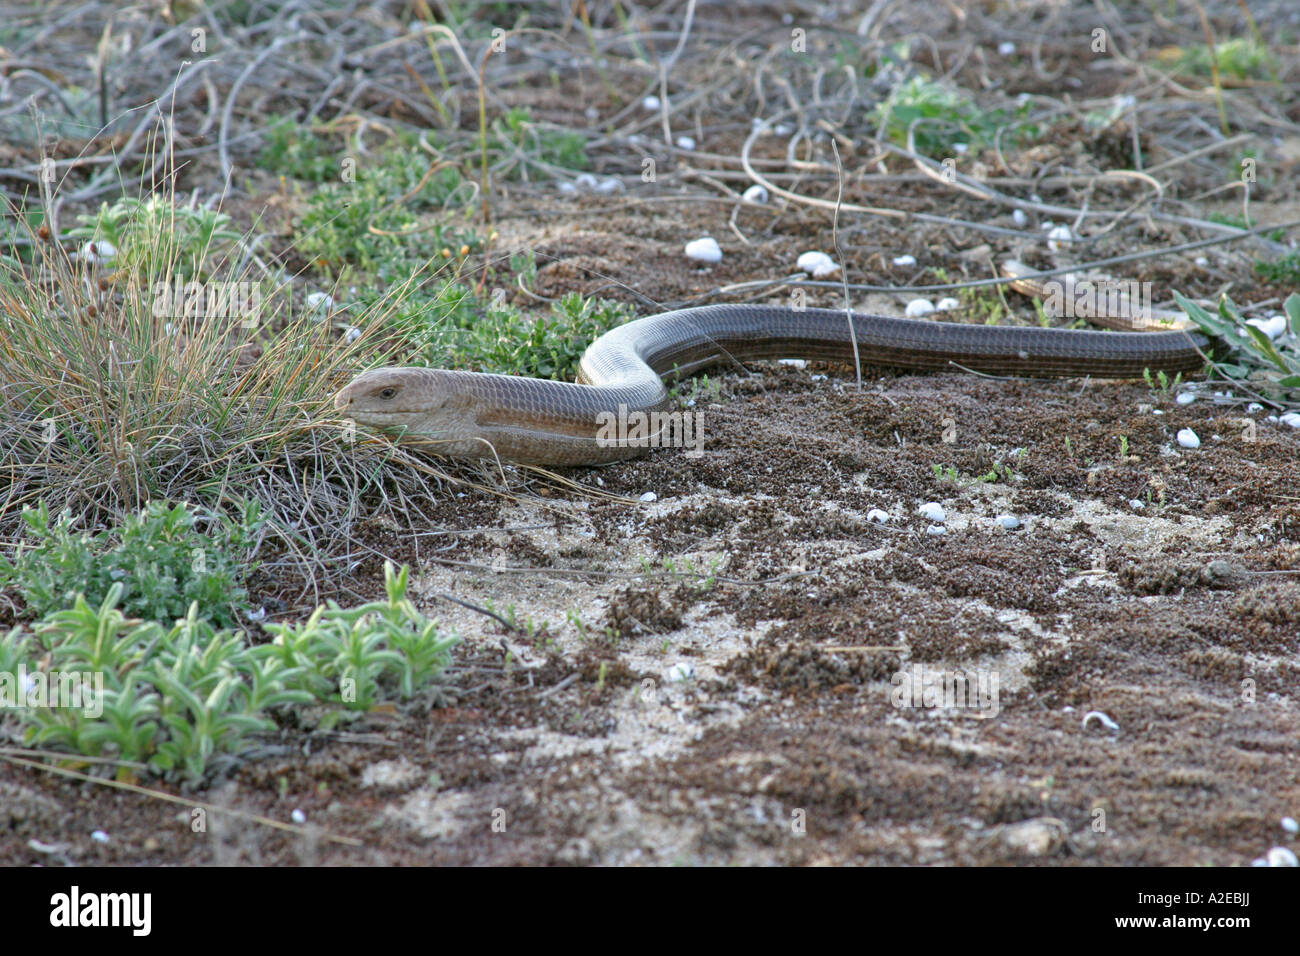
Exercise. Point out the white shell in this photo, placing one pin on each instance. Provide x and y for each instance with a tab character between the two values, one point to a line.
932	511
705	249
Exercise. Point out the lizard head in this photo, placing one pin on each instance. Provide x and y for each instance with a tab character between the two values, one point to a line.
425	402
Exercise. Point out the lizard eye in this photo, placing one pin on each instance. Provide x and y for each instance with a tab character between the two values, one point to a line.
387	392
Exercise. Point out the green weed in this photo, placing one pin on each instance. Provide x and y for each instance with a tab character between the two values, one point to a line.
162	560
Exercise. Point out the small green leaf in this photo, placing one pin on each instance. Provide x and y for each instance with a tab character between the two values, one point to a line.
1265	345
1292	306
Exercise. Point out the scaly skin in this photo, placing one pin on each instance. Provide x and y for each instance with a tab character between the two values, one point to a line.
475	415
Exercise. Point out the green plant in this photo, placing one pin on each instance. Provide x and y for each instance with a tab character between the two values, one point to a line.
999	472
169	698
349	656
984	304
291	150
1161	382
530	147
172	698
372	224
577	623
944	115
1241	57
473	335
1243	351
1284	270
698	388
1275	235
133	227
161	560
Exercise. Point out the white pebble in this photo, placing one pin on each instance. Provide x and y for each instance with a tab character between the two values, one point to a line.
1010	522
936	529
1185	398
948	304
609	185
585	181
704	250
1290	418
960	148
1254	407
878	516
298	816
1006	48
817	264
650	103
1187	438
793	363
679	672
1057	235
1272	326
1289	825
685	142
933	511
649	496
100	250
318	304
566	187
1281	856
352	334
1019	218
1101	719
1135	504
755	195
1201	261
918	307
904	260
99	836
